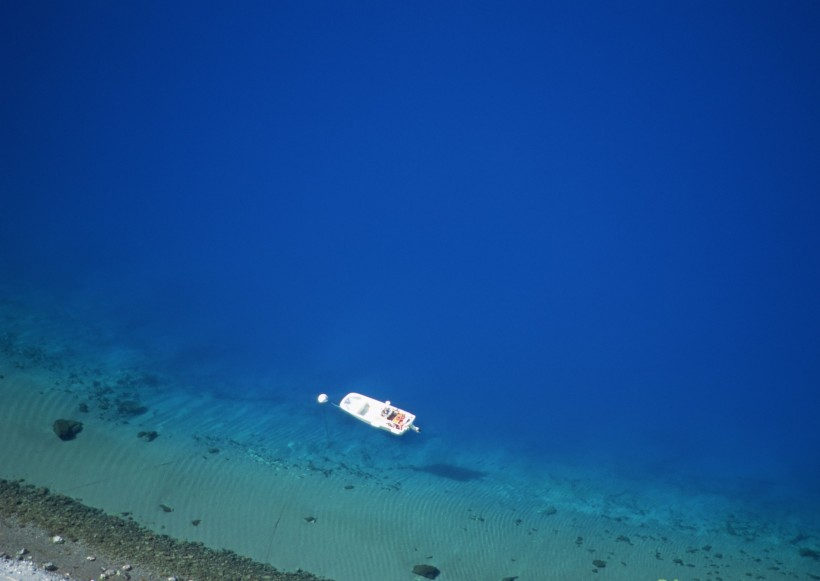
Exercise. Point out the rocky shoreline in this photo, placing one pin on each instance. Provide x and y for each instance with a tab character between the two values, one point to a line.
85	543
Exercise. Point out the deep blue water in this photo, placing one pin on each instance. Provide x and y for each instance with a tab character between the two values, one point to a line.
581	233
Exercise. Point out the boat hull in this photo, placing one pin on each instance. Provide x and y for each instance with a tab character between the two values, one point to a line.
378	414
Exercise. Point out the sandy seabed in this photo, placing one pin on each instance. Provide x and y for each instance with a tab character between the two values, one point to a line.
273	484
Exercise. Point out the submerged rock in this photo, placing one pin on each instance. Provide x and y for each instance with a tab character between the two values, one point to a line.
130	407
148	436
67	429
427	571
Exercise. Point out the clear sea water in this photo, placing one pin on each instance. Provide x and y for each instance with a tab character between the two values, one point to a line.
569	235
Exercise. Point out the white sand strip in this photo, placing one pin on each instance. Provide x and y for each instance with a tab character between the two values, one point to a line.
12	570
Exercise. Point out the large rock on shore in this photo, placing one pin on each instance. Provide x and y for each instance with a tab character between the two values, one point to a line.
67	429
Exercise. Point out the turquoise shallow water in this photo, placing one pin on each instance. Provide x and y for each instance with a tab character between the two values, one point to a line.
641	437
216	434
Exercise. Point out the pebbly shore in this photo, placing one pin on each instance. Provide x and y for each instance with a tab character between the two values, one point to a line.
112	545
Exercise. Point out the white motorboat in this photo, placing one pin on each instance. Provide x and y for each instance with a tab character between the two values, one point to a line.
379	414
